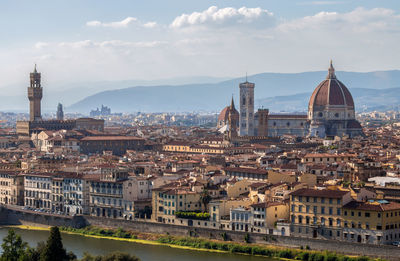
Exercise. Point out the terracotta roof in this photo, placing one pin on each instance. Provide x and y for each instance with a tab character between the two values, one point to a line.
327	155
93	138
372	206
247	170
353	124
331	92
267	204
223	115
325	193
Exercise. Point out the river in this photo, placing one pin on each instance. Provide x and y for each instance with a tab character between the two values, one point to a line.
80	244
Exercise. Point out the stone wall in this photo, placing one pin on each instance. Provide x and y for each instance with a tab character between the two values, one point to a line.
18	217
23	217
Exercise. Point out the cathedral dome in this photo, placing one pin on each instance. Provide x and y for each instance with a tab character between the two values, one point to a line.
223	115
331	92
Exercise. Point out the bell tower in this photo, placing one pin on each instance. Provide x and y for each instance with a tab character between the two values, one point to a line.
246	120
35	93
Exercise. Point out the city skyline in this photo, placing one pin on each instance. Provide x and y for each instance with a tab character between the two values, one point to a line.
223	39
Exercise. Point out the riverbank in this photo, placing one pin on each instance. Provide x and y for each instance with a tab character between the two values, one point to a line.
206	245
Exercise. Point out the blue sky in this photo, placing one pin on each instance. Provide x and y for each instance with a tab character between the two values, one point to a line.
92	40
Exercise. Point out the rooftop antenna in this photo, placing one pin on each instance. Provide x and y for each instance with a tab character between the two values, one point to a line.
246	76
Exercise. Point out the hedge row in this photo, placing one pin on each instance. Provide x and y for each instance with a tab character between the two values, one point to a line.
95	231
262	251
193	215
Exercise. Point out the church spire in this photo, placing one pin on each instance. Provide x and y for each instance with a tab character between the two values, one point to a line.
34	70
331	72
232	104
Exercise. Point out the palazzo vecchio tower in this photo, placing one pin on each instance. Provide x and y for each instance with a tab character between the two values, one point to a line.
35	93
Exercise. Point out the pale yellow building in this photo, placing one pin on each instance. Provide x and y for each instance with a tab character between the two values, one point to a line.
372	222
317	213
11	188
167	201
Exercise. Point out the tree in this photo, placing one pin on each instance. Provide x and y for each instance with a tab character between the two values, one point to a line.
13	246
205	198
54	249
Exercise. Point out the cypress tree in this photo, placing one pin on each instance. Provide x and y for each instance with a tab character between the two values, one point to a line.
54	250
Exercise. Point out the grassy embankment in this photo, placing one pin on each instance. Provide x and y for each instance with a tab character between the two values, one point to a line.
209	245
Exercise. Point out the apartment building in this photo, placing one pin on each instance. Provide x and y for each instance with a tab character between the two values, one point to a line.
371	222
11	188
317	213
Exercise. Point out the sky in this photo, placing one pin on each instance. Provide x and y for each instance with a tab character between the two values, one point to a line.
113	40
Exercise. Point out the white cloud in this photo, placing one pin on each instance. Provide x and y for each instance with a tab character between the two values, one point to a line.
358	20
224	17
122	24
40	45
150	25
252	40
110	44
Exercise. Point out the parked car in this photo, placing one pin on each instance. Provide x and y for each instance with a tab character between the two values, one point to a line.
396	243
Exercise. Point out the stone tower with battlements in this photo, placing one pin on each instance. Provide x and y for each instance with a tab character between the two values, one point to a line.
246	120
35	93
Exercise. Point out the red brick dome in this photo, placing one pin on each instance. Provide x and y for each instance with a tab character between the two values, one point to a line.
331	91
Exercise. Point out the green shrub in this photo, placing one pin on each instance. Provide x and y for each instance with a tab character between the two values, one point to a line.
285	254
304	256
193	215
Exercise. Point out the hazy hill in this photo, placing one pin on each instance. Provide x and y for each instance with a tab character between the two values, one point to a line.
365	100
277	91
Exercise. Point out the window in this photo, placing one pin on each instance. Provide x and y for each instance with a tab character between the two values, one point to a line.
330	201
300	208
322	200
322	210
367	214
338	211
315	210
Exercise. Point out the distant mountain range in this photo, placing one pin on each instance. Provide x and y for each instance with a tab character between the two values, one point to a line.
277	91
